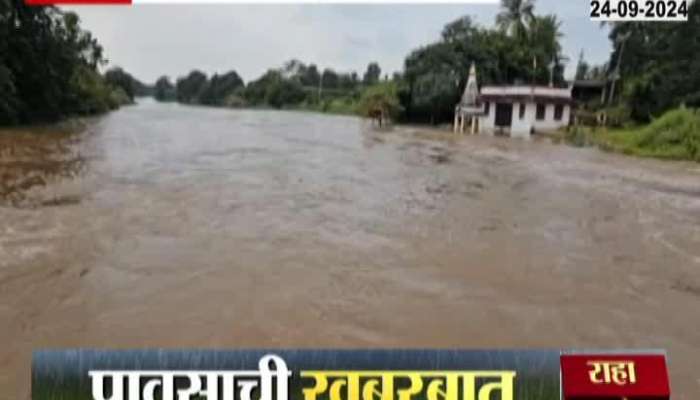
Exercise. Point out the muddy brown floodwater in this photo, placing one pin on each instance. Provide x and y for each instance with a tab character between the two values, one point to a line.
165	225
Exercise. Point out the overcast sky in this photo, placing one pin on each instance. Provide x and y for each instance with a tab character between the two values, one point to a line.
154	40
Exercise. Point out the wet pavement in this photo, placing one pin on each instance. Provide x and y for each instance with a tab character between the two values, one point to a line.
165	225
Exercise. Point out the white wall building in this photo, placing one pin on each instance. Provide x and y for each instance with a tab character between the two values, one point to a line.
515	111
519	111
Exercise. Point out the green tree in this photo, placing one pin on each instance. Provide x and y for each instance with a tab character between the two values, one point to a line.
657	64
190	88
383	98
275	90
515	17
256	91
117	77
48	65
283	92
435	75
9	103
582	68
164	90
329	79
310	76
372	74
544	44
220	87
432	77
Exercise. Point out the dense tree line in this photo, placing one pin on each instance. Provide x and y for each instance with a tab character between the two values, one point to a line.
657	64
197	88
164	90
524	48
295	84
118	78
49	66
274	89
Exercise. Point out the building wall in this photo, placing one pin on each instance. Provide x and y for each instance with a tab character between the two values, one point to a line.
522	127
487	123
549	123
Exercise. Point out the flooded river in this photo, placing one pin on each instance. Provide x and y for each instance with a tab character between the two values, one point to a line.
165	225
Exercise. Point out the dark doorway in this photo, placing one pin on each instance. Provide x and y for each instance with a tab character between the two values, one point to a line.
504	115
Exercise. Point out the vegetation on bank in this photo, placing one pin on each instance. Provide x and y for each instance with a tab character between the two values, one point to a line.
652	67
524	47
295	85
49	67
657	65
675	136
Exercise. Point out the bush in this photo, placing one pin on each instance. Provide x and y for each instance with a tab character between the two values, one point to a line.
619	115
92	94
677	131
577	136
340	106
118	97
382	96
284	92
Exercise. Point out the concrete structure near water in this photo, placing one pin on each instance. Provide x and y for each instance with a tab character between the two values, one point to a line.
515	111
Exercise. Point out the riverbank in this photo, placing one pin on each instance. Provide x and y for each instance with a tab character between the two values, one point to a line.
673	136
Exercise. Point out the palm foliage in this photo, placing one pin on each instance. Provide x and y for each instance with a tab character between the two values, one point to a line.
516	16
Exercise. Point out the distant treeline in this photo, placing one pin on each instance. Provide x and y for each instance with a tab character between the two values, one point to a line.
523	48
118	78
657	70
49	67
294	85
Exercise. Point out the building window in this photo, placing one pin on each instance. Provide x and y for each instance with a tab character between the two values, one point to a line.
522	111
558	112
487	108
540	111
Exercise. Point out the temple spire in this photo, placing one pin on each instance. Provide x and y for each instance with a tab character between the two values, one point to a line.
471	91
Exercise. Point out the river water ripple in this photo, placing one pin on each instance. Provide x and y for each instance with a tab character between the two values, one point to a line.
165	225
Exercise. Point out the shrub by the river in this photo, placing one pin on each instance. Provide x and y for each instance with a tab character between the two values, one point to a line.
675	135
380	97
577	136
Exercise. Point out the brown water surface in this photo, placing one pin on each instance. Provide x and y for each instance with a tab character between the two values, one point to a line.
164	225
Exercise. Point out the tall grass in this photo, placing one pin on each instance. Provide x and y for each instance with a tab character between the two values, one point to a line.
675	135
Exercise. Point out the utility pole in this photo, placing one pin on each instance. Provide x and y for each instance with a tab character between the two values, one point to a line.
616	74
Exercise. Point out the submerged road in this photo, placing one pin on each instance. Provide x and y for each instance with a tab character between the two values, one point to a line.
164	225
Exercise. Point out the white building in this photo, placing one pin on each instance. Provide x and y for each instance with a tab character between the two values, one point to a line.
519	111
515	111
